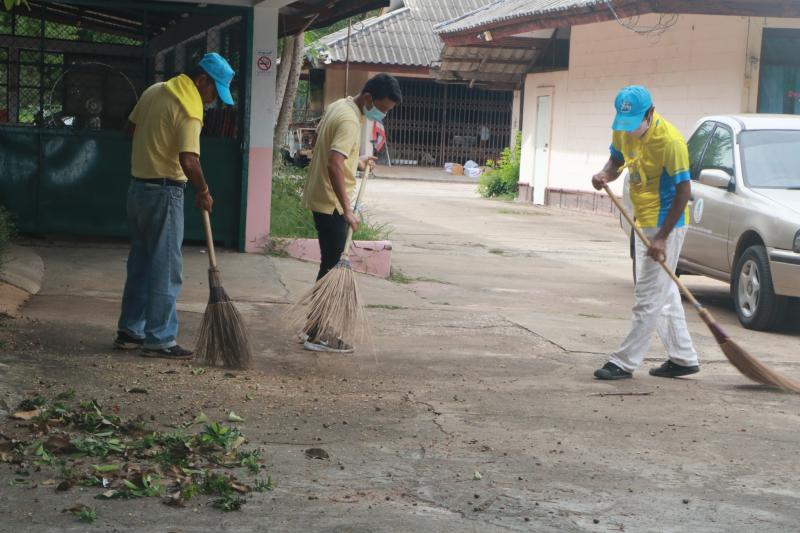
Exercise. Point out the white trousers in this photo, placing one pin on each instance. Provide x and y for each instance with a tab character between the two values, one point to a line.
658	307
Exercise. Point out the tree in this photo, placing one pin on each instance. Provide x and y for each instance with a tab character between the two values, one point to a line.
283	69
293	66
11	4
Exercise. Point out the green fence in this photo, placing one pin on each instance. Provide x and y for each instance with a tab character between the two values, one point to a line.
70	72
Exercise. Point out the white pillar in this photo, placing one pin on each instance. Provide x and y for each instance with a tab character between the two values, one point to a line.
515	108
263	115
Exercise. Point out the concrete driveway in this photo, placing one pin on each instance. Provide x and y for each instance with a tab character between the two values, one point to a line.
471	408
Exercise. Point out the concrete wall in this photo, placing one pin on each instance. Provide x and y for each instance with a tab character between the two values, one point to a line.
698	67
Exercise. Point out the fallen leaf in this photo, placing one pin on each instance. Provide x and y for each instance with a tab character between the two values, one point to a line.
233	417
317	453
477	476
201	418
238	442
240	487
75	509
49	482
64	486
109	495
106	468
59	444
136	390
26	415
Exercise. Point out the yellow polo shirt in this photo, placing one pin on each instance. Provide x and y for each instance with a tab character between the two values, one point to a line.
338	131
657	163
163	130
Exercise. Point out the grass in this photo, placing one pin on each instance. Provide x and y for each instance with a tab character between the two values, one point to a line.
496	251
289	219
396	275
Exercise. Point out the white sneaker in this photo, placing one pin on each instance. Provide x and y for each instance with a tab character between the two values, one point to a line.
321	345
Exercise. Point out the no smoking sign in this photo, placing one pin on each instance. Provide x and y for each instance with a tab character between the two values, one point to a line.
264	63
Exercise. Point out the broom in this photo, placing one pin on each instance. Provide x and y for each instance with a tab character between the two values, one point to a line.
738	356
223	336
335	308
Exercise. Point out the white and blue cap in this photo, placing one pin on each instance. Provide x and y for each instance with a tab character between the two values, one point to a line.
632	104
222	74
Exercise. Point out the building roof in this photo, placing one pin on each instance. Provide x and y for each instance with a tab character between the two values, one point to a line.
505	18
502	10
403	37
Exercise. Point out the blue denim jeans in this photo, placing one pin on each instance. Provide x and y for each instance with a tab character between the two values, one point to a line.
155	218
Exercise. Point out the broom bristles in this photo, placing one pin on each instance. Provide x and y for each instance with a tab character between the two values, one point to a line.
223	336
745	363
755	369
333	308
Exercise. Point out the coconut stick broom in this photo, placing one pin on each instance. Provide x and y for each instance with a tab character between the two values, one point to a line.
223	336
335	307
738	356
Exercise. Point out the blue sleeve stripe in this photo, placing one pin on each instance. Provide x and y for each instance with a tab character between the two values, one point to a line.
616	155
682	176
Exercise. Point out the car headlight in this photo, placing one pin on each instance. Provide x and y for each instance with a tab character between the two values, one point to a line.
796	245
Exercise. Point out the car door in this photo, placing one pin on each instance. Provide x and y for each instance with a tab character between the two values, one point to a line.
711	206
692	246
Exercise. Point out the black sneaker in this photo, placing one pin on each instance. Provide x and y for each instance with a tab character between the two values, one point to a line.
175	352
611	371
322	345
125	341
673	370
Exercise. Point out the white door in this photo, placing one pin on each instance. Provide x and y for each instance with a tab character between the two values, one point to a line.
541	164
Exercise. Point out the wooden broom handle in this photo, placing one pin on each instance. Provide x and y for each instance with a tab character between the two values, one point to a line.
212	256
646	242
348	244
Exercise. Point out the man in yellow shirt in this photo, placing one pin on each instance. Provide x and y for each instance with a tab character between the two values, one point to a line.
165	155
332	177
657	159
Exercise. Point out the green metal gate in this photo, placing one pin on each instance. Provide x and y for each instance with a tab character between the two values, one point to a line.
70	73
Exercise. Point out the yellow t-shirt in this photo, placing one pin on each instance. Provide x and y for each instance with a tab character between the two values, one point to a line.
657	163
338	131
163	130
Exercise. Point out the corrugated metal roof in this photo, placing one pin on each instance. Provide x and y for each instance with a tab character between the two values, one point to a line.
401	37
501	10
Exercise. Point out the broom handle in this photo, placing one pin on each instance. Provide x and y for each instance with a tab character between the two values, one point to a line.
212	256
363	186
646	242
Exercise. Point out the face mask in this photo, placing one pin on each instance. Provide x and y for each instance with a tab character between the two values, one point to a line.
374	114
641	130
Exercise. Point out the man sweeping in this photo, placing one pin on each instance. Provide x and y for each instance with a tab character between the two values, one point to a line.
166	125
657	159
332	178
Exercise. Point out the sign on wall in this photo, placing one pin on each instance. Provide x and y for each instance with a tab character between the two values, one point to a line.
264	63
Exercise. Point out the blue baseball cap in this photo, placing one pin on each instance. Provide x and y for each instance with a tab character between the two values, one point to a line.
222	74
632	104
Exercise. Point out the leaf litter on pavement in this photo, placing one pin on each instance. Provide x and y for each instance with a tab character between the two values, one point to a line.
89	446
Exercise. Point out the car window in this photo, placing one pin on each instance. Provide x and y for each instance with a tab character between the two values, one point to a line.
770	158
719	153
696	145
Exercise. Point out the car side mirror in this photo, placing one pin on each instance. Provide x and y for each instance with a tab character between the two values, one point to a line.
714	177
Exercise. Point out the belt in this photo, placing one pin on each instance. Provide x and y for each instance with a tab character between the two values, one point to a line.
165	182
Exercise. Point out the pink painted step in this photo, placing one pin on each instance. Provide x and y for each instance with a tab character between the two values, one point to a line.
369	257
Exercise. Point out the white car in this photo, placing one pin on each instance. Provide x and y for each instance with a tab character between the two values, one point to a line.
745	212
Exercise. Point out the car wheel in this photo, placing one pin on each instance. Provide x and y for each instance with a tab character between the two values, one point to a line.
757	305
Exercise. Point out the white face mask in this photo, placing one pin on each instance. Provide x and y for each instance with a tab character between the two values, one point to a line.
641	130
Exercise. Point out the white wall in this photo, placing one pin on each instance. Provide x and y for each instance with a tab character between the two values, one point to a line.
696	68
